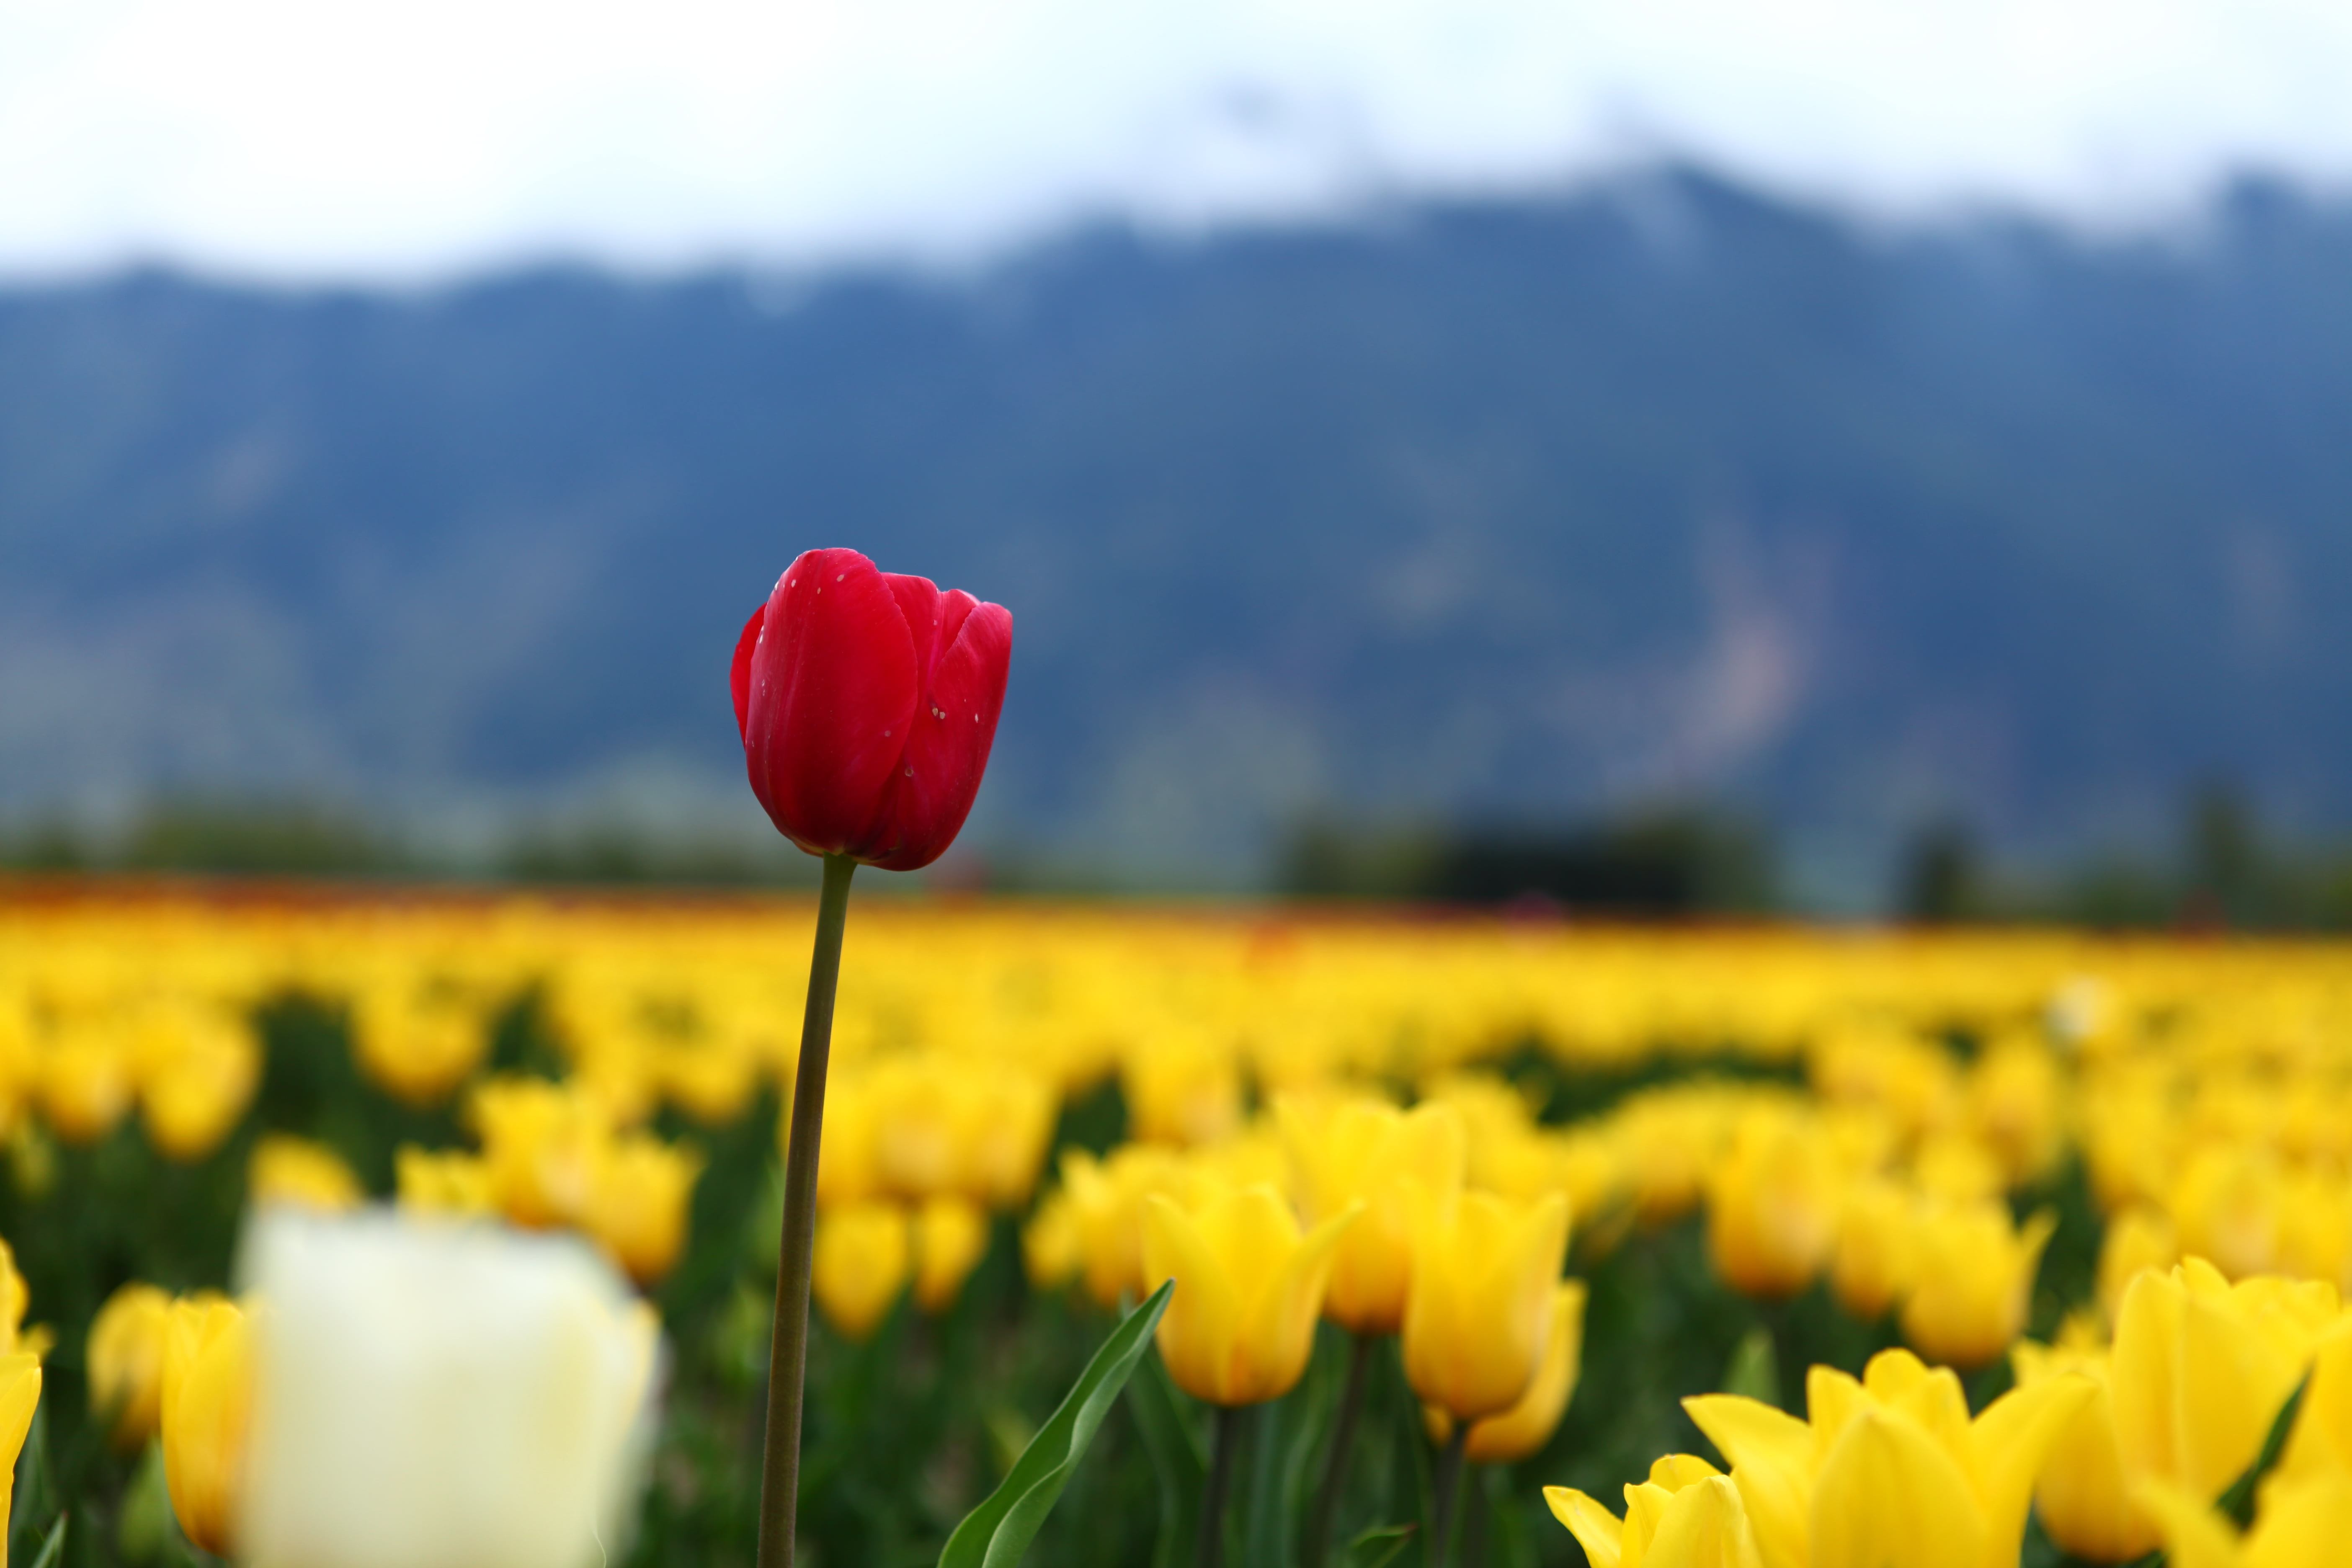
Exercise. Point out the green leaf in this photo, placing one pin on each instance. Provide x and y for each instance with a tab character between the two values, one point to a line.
996	1533
53	1547
1290	1432
1379	1546
1754	1370
1179	1460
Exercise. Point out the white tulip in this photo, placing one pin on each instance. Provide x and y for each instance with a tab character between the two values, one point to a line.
430	1395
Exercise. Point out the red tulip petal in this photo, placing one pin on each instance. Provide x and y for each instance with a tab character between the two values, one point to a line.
932	792
832	692
739	677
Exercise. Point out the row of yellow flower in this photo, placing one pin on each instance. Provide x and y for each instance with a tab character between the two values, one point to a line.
2123	1449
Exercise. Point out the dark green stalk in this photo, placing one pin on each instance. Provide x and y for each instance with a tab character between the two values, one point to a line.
1210	1551
1449	1486
780	1471
1335	1463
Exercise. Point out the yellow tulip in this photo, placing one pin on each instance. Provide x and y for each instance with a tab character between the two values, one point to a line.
1889	1469
2301	1523
2138	1239
125	1361
1871	1264
2201	1368
639	1213
1478	1315
2016	1103
304	1174
845	1158
417	1049
1050	1243
441	1182
206	1405
1772	1205
20	1392
2228	1207
1529	1425
1972	1281
197	1074
1106	1199
2086	1500
951	1236
1367	1154
1688	1514
859	1264
712	1079
85	1082
15	1300
546	1146
1249	1285
1182	1091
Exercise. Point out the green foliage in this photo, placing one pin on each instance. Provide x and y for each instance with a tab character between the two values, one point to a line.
997	1533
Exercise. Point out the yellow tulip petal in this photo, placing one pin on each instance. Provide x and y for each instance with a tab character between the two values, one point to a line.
2009	1443
1771	1456
2194	1535
1675	1471
1889	1493
1203	1316
1529	1425
2302	1523
1705	1527
1280	1331
1599	1532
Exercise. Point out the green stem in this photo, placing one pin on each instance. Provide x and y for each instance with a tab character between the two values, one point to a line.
1209	1551
1335	1463
780	1473
1449	1485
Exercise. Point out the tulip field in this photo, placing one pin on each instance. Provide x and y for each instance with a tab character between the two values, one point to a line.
1493	1242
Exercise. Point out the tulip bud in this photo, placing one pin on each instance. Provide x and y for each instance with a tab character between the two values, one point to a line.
198	1072
1871	1266
2082	1495
639	1213
1973	1282
951	1236
125	1361
415	1049
300	1173
1249	1286
1477	1316
1772	1205
1529	1425
859	1264
84	1083
868	701
546	1146
1366	1153
441	1182
207	1409
439	1397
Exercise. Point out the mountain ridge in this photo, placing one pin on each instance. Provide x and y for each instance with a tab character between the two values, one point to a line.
1491	511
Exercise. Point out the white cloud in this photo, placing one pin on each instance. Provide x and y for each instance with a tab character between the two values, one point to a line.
311	138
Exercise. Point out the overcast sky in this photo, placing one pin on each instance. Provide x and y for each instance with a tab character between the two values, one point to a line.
325	139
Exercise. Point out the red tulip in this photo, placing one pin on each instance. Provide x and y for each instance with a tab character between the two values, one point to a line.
867	702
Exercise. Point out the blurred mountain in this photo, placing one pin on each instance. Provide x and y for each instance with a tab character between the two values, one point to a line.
1500	512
